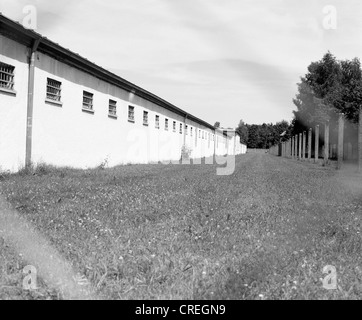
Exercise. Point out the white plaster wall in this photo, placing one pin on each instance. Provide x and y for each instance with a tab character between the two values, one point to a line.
64	135
67	136
221	145
13	108
201	147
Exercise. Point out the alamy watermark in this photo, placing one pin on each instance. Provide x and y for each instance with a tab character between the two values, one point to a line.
330	19
30	20
142	145
330	281
30	280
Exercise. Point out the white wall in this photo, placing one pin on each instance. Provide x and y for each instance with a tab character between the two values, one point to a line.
67	136
64	135
201	146
13	107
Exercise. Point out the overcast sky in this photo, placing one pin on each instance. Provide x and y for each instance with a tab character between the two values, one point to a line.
220	60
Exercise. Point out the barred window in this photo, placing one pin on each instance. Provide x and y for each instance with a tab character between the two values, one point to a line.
131	117
54	90
112	108
186	130
87	101
166	124
157	122
145	118
6	76
180	128
191	131
174	126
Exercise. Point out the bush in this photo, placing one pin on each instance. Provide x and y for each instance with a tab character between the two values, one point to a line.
40	169
104	164
4	174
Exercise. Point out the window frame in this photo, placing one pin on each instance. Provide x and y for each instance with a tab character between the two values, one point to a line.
131	114
11	80
157	122
146	118
58	94
86	105
112	104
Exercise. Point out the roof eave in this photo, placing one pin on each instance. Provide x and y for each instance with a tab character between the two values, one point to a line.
27	37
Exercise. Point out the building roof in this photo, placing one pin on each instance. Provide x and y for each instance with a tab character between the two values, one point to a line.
29	38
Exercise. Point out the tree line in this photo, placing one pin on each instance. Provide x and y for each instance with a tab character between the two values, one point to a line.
265	135
330	87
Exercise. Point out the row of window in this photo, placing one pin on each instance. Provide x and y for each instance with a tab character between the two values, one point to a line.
54	94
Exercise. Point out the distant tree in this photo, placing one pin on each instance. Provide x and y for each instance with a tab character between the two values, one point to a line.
266	135
348	98
329	87
305	103
324	78
281	127
253	137
243	132
217	124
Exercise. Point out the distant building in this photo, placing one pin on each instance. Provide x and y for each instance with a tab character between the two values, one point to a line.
234	145
58	108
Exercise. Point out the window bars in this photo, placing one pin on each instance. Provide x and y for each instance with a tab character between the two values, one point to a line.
131	114
87	101
6	76
112	108
145	118
54	90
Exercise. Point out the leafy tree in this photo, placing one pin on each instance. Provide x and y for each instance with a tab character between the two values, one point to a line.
266	135
217	124
253	139
329	87
305	103
243	132
348	98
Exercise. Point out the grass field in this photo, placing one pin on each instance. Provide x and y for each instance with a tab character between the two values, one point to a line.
182	232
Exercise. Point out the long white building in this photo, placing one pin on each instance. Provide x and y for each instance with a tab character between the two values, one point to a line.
57	107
